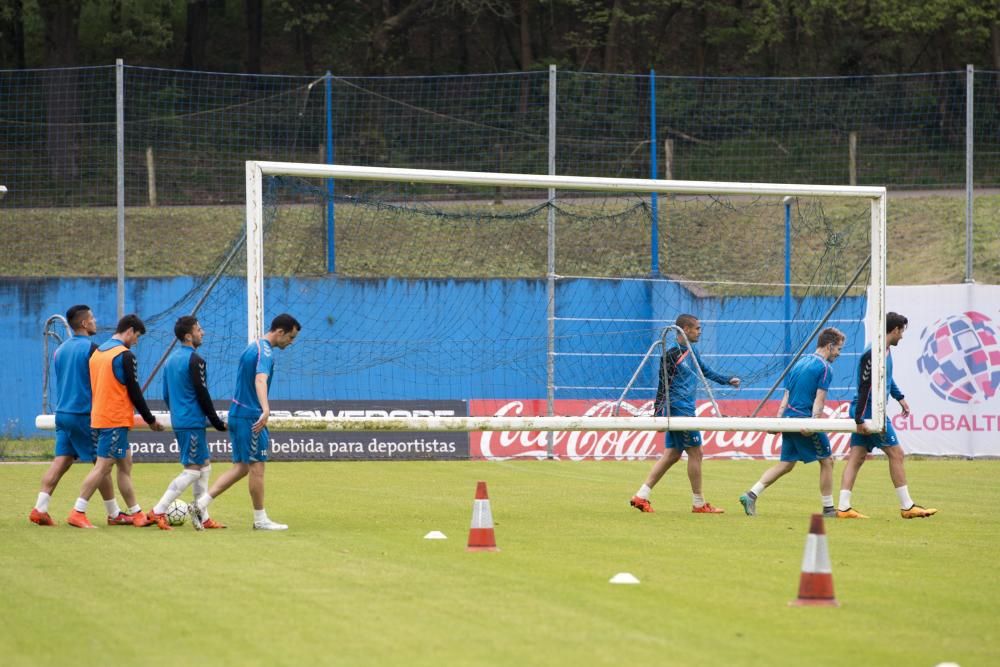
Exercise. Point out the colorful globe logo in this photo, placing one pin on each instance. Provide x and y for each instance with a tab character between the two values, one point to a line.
961	356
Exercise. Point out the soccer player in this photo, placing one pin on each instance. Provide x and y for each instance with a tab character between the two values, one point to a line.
114	382
248	417
185	390
865	441
74	437
675	397
805	396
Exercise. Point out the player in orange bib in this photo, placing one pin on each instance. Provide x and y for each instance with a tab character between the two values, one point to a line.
114	382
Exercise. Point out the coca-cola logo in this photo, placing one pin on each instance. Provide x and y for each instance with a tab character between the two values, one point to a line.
624	445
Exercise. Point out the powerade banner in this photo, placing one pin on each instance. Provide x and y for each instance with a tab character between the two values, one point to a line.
948	367
328	445
625	445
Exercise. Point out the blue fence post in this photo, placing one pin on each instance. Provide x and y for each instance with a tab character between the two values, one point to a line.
788	276
331	249
654	258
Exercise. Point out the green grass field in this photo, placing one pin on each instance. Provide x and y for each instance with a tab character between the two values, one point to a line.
353	582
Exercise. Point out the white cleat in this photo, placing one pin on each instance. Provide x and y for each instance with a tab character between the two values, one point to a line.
269	525
197	516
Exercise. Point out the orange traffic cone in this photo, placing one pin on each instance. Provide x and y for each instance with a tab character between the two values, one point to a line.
481	537
816	582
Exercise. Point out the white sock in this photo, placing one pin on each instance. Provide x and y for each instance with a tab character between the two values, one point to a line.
135	509
827	501
644	492
203	501
259	516
42	504
111	507
905	501
201	486
698	500
758	488
174	490
845	500
81	505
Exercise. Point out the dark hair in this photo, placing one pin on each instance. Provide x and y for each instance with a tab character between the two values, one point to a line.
830	335
75	315
285	322
686	320
184	326
894	321
130	321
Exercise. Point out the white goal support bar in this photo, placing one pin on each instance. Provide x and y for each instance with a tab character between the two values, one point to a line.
474	424
256	171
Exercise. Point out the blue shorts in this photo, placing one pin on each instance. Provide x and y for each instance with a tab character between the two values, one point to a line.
805	448
112	443
248	447
883	440
75	438
192	445
682	439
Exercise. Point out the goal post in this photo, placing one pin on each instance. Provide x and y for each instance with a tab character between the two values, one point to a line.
568	186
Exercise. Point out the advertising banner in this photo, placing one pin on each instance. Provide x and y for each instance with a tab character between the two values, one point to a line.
328	445
624	445
948	367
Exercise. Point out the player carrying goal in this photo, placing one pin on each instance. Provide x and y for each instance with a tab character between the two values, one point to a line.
675	396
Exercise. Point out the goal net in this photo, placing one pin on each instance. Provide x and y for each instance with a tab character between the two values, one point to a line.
545	302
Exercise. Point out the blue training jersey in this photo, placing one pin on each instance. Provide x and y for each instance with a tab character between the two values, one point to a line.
185	390
808	375
864	393
256	359
72	362
678	371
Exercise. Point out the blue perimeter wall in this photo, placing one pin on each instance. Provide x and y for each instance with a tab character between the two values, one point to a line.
431	310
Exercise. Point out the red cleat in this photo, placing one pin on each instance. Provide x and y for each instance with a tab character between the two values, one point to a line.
640	504
79	520
41	518
140	520
707	508
212	524
121	520
159	519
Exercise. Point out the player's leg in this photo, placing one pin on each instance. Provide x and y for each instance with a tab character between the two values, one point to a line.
749	499
101	470
258	459
894	452
116	517
671	454
50	478
860	446
692	446
73	441
244	443
826	486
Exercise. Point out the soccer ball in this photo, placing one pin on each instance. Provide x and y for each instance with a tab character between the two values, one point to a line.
177	512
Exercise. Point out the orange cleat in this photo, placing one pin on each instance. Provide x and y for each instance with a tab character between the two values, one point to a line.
140	520
121	520
917	512
850	513
212	524
159	519
79	520
640	504
707	508
41	518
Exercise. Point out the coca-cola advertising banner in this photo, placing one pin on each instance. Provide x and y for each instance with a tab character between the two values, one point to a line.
328	445
623	445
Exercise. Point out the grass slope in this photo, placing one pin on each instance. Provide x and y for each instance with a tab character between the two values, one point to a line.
354	583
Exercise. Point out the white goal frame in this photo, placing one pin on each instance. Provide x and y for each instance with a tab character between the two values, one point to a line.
257	170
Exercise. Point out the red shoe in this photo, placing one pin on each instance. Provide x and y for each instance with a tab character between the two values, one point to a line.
640	504
140	520
159	519
121	520
79	520
212	523
707	508
41	518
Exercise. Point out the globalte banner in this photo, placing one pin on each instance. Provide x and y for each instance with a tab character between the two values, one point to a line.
328	445
948	367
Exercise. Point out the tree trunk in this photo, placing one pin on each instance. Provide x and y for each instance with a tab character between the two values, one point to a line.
995	39
195	35
255	34
527	58
306	49
17	30
62	23
611	42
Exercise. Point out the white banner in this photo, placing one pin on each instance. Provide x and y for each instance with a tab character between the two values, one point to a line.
948	367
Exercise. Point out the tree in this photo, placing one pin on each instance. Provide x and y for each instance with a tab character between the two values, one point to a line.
62	21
